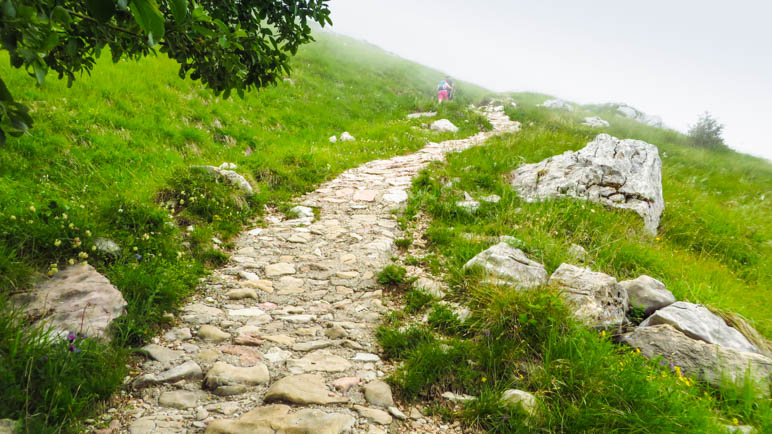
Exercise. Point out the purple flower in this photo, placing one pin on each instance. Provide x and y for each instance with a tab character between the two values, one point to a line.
71	337
138	256
73	349
82	336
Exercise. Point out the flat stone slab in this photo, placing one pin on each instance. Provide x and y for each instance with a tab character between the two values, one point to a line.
597	299
318	361
223	374
508	264
302	389
277	418
162	354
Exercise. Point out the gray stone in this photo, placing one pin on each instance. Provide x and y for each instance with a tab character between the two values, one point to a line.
303	211
346	137
595	122
697	322
457	397
597	299
279	269
648	294
229	176
509	264
557	104
422	115
577	252
605	167
318	361
335	331
302	389
444	126
240	293
311	345
373	414
77	299
230	390
397	413
223	374
178	334
276	418
378	393
709	362
162	354
180	399
515	397
212	334
187	371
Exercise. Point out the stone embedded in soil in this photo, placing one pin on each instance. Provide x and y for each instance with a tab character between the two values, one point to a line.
162	354
345	383
378	393
180	399
279	269
318	361
240	293
373	414
223	374
210	333
277	418
187	371
302	389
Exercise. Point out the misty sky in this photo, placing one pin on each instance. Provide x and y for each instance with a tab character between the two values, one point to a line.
673	58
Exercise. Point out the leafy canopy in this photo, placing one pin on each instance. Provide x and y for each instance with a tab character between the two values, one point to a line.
231	45
706	133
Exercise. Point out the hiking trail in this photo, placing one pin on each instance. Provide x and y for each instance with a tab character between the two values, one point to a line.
283	337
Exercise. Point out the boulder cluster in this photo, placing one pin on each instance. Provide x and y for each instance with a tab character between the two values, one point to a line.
684	334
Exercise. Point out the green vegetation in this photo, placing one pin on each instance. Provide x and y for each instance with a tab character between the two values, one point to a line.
712	248
706	133
111	158
392	275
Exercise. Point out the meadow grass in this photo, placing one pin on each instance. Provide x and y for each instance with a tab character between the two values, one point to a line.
111	158
712	248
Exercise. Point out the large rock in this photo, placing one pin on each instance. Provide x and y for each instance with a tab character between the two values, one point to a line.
233	178
697	322
648	293
557	104
509	264
520	398
618	173
639	116
277	418
695	357
78	299
302	389
598	300
444	126
378	393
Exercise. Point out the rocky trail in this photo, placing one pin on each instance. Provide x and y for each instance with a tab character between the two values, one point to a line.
282	338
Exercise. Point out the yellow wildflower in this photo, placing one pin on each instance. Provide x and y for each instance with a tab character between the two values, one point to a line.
57	243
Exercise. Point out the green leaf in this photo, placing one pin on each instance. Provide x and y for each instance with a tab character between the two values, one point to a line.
101	10
179	10
8	9
5	94
40	71
149	18
60	15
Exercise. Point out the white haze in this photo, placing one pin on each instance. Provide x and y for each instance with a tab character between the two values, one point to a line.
674	59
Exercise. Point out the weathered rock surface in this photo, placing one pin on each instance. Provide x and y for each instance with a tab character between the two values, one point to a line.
598	300
444	126
107	246
618	173
302	389
162	354
230	176
648	293
77	299
595	122
186	371
697	322
346	137
181	399
639	116
429	286
374	414
276	418
557	104
378	393
699	358
223	374
319	360
525	400
422	115
508	264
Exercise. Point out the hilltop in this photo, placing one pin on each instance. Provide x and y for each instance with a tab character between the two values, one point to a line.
115	159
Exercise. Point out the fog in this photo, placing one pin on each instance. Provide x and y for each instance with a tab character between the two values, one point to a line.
672	59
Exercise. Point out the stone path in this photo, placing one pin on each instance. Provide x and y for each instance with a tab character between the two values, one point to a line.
282	338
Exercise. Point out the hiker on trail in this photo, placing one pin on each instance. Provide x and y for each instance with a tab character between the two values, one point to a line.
452	90
443	91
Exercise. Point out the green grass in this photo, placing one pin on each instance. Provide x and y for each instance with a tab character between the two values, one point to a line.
111	158
712	248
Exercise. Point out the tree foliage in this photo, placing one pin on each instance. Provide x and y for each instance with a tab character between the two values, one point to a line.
706	133
229	45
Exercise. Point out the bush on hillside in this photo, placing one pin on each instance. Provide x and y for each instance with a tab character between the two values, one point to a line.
706	133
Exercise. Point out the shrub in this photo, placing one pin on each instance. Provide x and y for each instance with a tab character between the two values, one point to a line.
392	275
706	133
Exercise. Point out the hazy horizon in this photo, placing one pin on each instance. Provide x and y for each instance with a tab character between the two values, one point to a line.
671	60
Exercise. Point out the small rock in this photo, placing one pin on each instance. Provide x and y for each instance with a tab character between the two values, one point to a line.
318	361
279	269
178	334
187	371
429	286
333	139
648	294
303	211
180	399
510	264
302	389
335	332
345	383
346	137
378	393
366	357
162	354
223	374
396	413
212	334
577	252
454	397
444	126
240	293
514	397
277	355
373	414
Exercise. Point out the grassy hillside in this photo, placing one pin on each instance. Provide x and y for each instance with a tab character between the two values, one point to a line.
713	248
110	158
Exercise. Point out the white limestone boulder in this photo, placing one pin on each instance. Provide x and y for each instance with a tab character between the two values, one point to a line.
618	173
648	293
346	137
708	362
76	300
422	115
510	265
697	322
598	300
226	173
557	104
595	122
444	126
